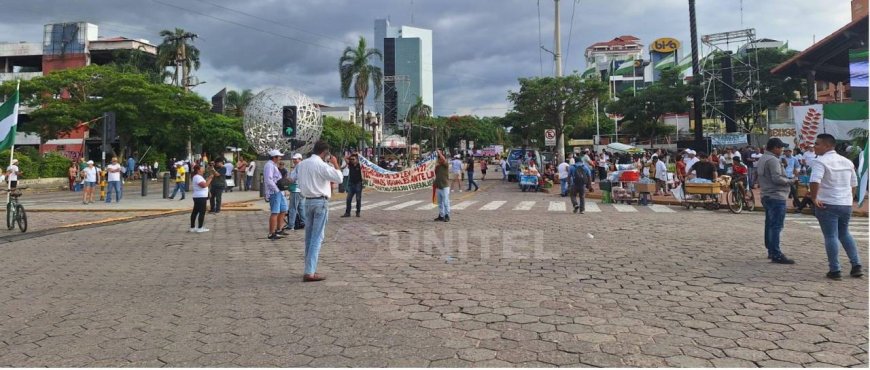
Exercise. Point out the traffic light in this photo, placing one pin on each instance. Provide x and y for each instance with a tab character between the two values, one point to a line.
288	123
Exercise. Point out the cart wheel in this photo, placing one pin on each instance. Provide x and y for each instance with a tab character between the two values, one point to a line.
687	206
716	206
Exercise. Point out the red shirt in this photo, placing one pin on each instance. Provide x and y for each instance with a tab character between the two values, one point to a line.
740	170
681	169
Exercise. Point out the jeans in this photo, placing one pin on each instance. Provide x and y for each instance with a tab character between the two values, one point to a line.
215	199
503	173
443	201
834	221
774	218
178	186
353	190
316	214
297	207
564	184
116	185
248	181
471	180
578	192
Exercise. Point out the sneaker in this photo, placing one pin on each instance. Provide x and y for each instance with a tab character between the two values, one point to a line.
440	218
856	271
834	275
273	237
192	230
202	230
282	233
576	209
345	215
783	260
447	218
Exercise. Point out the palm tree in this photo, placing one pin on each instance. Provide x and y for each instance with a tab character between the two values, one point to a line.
237	101
355	70
418	112
176	51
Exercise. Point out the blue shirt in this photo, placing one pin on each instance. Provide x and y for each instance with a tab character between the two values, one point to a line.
131	164
791	164
573	168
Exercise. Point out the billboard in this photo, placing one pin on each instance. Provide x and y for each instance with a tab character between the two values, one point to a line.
858	68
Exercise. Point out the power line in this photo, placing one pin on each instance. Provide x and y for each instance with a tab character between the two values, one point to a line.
570	32
271	21
246	26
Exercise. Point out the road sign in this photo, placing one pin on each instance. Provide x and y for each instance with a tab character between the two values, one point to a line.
470	144
550	137
462	144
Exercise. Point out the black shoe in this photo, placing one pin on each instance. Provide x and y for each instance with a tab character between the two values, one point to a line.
439	218
345	215
783	260
357	214
576	209
582	211
476	189
856	271
834	275
447	218
273	237
281	233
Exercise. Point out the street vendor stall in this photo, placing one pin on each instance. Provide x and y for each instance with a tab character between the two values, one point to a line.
623	148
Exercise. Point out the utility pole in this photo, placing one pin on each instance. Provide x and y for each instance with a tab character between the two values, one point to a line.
184	82
560	139
696	77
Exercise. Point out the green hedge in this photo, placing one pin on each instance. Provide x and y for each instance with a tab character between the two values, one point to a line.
33	166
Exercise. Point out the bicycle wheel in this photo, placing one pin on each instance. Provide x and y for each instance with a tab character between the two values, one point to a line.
10	216
21	218
734	203
750	201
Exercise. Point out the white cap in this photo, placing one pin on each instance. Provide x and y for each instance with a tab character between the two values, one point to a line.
690	151
275	153
90	162
14	161
457	156
297	156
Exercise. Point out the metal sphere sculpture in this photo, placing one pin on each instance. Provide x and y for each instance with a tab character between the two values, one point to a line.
264	116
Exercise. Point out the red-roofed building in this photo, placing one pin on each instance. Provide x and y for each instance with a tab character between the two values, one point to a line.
621	48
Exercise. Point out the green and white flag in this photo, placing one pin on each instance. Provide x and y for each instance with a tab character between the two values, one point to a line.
8	121
863	162
589	72
668	61
627	67
840	118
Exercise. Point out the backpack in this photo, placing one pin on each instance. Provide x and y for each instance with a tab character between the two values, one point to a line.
283	184
581	178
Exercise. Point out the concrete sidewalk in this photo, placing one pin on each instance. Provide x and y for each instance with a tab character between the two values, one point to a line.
71	202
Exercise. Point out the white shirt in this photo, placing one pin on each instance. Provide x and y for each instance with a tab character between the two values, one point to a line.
456	166
314	176
661	171
229	168
602	160
344	170
114	176
90	174
199	191
810	158
836	177
13	175
251	167
690	162
563	170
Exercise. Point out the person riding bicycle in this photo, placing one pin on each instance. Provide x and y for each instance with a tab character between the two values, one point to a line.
739	172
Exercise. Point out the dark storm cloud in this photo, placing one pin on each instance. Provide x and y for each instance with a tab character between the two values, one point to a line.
480	46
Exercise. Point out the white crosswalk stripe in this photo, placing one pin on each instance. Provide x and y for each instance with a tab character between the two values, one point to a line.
342	205
557	207
403	205
377	204
661	208
524	205
427	206
592	207
463	205
492	206
625	208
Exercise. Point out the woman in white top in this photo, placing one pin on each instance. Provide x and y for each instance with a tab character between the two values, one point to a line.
200	197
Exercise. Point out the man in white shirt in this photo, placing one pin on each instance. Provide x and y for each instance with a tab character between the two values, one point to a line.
114	178
563	177
831	183
690	159
503	164
249	175
661	177
456	173
603	161
90	176
228	166
12	173
315	176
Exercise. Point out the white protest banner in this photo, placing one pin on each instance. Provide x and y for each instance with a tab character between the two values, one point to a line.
418	177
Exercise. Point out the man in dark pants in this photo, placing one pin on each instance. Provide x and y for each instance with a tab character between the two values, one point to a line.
579	178
774	191
354	184
217	187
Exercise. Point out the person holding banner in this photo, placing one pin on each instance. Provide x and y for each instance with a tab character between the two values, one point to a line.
442	188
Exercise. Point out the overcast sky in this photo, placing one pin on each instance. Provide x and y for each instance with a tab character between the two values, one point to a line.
481	47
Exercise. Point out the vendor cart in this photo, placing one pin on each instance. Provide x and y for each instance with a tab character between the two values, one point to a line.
626	191
701	194
529	183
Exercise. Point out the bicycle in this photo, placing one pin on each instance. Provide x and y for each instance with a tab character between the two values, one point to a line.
739	199
15	211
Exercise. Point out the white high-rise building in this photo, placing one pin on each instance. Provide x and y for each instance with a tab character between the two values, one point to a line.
408	63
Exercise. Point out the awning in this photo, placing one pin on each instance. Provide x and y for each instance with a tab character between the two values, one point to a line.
829	58
623	148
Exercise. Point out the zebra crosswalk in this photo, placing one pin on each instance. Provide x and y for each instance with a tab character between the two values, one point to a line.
555	206
858	226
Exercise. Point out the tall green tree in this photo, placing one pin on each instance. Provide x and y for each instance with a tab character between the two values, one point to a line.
237	101
177	51
540	100
356	73
418	112
341	134
643	111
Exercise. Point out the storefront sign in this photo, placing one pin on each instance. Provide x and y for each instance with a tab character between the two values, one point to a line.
665	45
419	177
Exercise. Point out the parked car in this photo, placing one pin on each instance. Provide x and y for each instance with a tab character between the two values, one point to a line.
518	157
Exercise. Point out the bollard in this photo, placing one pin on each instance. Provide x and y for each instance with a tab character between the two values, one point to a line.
262	189
144	185
166	191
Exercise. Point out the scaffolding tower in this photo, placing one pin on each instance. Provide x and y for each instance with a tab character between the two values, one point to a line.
396	91
730	76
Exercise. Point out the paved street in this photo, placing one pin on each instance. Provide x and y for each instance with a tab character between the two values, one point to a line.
515	279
